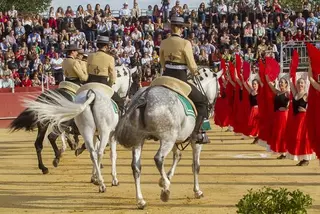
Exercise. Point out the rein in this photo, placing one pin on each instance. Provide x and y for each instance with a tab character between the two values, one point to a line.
198	83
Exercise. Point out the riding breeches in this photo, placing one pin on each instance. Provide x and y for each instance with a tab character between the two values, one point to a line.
196	96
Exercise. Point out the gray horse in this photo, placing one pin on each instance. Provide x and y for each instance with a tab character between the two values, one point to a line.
157	113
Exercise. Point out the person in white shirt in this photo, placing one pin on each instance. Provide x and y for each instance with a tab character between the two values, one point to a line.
222	8
13	13
130	49
136	35
7	82
148	49
124	12
146	59
125	59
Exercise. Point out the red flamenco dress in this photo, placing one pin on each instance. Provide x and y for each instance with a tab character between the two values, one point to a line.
298	144
245	112
313	112
253	120
230	98
265	101
277	140
221	108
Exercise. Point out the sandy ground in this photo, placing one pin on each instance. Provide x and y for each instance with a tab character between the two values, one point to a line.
230	166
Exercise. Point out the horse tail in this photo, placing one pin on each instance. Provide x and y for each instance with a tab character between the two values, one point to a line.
57	109
26	120
124	126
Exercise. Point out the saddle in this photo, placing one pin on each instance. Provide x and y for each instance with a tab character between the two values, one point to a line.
69	86
181	88
106	90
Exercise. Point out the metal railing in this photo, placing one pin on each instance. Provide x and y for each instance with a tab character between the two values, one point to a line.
286	50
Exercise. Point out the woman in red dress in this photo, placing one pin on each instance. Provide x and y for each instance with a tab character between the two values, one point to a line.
313	113
253	122
298	144
277	141
221	108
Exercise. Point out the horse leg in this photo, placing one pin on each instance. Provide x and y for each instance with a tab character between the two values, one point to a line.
38	144
113	157
72	145
196	150
100	147
64	145
176	158
136	170
52	138
80	150
165	148
94	178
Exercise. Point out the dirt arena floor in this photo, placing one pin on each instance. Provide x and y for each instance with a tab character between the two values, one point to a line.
229	166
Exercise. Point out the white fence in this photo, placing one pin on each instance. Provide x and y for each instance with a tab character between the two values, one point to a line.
286	50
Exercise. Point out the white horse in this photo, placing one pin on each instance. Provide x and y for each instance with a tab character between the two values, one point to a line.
156	112
124	80
93	110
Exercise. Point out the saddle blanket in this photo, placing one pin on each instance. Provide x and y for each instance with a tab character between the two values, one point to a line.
189	111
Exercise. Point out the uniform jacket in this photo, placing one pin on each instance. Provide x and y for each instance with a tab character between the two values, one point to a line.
178	50
102	64
73	69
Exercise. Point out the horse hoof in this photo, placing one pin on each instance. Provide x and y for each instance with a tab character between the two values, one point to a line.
161	182
55	162
78	152
94	181
45	171
198	195
141	204
102	188
165	195
115	183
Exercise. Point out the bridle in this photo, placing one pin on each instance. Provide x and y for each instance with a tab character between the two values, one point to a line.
198	83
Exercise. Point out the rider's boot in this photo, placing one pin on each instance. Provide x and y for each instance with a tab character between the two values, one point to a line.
199	136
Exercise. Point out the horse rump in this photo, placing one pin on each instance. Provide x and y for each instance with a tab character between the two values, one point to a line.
127	133
26	120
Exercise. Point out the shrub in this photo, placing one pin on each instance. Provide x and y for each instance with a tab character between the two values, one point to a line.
274	201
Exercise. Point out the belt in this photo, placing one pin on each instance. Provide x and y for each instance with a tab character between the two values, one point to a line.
178	67
72	78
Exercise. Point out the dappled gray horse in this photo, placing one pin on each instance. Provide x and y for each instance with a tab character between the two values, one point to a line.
160	113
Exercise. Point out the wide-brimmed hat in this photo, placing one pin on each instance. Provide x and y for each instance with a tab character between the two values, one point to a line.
125	3
178	21
72	47
103	40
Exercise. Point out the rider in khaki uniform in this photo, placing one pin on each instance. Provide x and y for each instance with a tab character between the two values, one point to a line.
101	68
73	71
83	57
176	56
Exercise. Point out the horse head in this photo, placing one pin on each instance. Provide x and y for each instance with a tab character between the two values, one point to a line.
124	79
209	83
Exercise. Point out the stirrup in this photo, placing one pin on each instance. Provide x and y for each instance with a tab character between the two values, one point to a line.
202	138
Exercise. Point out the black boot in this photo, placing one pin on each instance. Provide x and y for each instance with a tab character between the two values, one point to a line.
197	135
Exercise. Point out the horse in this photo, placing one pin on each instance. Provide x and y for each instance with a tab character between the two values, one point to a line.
93	110
158	113
27	120
121	86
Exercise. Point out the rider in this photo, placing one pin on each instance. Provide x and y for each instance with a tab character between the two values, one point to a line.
101	68
82	57
73	71
176	56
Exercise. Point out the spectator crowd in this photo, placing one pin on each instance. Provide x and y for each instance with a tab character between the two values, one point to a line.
32	46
